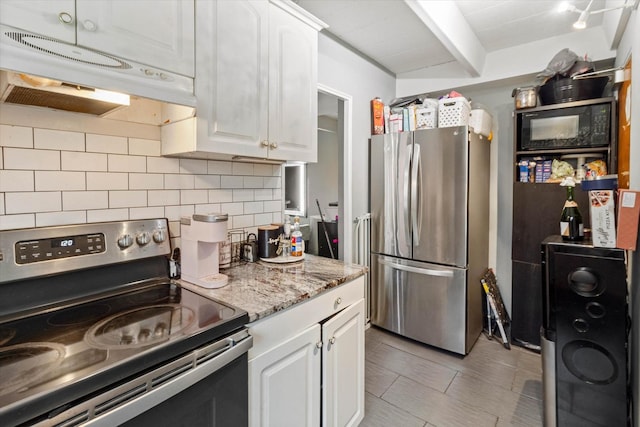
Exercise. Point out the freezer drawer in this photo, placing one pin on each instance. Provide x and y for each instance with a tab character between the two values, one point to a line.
421	301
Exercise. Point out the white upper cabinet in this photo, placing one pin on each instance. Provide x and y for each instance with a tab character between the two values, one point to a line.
156	33
53	18
256	83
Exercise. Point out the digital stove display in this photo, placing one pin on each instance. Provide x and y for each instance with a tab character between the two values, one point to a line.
59	247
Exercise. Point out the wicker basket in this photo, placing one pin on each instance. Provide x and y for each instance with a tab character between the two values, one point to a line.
453	112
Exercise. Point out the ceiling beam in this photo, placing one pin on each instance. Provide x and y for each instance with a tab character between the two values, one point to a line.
446	22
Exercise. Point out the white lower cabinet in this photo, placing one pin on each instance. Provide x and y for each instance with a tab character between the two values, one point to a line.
307	364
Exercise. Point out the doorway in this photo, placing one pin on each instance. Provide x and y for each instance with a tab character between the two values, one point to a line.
329	180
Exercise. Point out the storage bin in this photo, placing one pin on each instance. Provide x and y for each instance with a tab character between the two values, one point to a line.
453	112
481	122
426	118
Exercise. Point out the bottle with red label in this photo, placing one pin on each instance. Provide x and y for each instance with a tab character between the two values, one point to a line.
296	238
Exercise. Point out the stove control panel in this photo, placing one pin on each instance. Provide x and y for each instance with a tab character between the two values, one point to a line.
42	251
60	247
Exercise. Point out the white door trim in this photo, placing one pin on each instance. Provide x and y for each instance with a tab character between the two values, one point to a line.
346	221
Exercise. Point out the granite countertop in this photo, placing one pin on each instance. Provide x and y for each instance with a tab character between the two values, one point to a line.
262	288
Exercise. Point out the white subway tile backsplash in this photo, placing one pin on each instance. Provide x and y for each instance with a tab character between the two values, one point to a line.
20	158
144	147
219	168
179	182
193	197
263	219
163	197
273	206
90	162
220	196
102	215
253	207
29	202
230	181
106	144
15	180
193	166
60	218
277	217
144	213
127	199
107	181
242	168
16	136
273	182
243	195
232	208
262	170
163	165
263	194
208	208
56	177
59	180
77	200
9	222
253	182
243	221
123	163
146	181
49	139
207	181
174	213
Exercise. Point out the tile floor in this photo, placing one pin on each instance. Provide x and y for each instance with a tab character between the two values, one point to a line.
411	384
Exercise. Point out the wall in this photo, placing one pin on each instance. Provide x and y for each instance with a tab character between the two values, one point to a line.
630	47
343	70
60	168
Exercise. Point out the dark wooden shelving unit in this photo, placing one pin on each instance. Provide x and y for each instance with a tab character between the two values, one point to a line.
536	215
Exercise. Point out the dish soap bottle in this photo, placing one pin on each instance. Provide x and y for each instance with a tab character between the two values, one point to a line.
296	238
571	227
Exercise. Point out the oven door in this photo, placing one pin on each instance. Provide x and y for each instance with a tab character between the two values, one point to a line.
206	387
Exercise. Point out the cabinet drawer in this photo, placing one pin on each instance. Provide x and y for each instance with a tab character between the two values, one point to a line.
283	325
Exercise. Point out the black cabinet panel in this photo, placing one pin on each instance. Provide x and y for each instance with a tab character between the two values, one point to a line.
526	303
536	215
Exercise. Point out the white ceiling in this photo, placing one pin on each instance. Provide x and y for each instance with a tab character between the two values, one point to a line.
408	35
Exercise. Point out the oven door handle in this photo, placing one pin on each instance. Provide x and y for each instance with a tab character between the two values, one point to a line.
138	396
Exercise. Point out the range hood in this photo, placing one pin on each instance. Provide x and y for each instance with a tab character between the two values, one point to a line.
24	89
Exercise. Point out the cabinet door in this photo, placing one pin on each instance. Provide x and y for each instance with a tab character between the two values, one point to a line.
157	33
293	87
284	383
53	18
343	367
232	81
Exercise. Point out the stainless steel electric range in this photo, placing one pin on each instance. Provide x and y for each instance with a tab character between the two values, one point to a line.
94	332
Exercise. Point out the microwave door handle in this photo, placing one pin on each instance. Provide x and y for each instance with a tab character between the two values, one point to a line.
416	195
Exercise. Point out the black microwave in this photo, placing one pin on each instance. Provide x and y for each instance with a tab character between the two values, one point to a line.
566	127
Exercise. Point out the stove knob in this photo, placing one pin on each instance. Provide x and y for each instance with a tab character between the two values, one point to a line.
144	334
159	236
160	330
125	241
126	339
143	238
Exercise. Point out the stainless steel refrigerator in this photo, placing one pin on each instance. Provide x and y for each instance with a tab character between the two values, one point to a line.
429	196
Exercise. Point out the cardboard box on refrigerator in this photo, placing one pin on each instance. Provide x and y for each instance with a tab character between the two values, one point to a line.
628	218
603	224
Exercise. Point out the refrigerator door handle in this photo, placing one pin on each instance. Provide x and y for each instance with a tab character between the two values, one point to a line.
425	271
405	195
416	194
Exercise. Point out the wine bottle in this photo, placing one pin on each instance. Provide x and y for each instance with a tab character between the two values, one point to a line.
571	227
